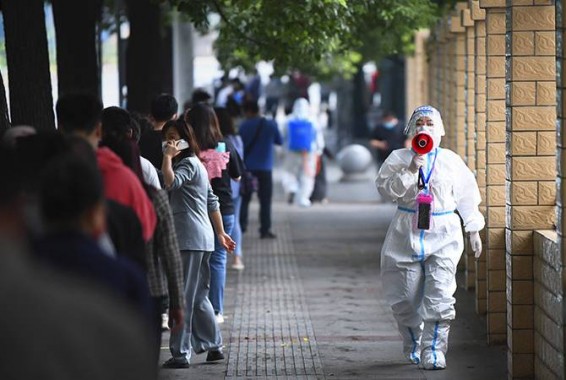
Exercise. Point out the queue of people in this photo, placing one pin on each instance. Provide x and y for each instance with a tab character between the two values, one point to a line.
144	208
140	213
143	236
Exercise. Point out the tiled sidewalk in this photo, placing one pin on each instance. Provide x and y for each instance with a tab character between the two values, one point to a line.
272	333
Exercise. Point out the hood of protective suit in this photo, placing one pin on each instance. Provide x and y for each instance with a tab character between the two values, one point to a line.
301	109
426	111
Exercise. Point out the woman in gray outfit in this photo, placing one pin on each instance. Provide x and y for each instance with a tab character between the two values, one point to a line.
194	206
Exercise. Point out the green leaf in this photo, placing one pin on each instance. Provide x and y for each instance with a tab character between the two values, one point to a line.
320	37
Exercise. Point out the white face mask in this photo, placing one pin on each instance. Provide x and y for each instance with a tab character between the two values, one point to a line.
426	129
429	130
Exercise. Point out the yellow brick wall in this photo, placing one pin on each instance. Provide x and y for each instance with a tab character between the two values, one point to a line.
478	15
531	167
492	75
495	170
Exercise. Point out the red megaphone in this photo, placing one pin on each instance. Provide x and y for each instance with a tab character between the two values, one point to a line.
422	143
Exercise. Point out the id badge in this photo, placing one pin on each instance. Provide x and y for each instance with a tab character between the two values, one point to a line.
424	211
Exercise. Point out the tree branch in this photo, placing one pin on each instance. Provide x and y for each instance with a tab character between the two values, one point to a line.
234	27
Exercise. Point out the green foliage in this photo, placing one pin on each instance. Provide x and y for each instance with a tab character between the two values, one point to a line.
320	37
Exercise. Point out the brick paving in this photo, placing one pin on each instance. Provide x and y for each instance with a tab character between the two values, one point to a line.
272	333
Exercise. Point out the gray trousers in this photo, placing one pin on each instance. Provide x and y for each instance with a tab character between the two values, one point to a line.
200	329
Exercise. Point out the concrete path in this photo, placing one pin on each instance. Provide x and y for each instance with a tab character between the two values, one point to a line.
309	305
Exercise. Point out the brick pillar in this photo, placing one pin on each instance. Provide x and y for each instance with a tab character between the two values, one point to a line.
423	36
531	173
432	56
455	119
443	49
458	100
410	83
447	56
561	180
469	126
416	72
478	15
450	94
495	170
431	53
469	89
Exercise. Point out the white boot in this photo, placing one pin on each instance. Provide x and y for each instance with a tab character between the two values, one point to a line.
434	344
412	342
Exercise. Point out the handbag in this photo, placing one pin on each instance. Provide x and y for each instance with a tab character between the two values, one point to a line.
248	182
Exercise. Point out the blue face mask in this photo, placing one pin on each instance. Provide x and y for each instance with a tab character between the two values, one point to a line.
389	124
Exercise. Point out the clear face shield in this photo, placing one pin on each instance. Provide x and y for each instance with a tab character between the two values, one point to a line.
425	119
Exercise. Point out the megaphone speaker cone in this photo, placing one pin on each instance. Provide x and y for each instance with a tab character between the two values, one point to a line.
422	143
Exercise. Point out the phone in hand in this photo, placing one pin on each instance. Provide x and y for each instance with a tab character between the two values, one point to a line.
179	144
182	144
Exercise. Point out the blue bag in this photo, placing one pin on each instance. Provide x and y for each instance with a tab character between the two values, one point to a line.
301	135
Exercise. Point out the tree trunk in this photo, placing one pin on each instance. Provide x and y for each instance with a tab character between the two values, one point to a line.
4	117
146	55
360	105
31	101
122	44
166	56
77	62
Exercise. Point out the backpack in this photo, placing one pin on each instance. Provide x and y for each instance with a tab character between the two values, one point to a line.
301	134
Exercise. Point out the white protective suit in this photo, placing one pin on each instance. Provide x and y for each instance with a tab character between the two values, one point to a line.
419	266
300	167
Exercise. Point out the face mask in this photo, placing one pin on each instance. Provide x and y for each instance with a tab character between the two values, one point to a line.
436	138
426	129
389	124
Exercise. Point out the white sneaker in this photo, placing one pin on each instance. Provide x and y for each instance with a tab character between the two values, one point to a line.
219	318
164	321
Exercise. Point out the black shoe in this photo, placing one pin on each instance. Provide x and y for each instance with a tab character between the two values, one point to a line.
173	363
268	235
291	198
214	356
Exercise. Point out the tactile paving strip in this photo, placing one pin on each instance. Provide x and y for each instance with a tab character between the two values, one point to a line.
272	334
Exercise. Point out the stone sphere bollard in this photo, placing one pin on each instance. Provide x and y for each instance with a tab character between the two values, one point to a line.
354	160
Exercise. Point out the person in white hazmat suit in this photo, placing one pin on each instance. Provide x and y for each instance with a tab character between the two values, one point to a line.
300	157
419	265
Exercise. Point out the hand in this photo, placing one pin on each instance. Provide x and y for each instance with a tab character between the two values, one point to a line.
416	163
176	318
475	242
379	144
171	149
227	242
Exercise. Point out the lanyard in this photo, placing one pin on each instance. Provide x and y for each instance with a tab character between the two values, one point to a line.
423	181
